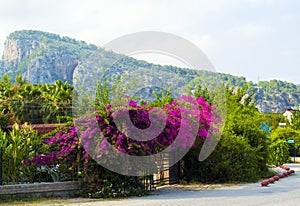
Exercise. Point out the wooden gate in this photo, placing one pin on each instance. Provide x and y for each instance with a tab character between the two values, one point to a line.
171	175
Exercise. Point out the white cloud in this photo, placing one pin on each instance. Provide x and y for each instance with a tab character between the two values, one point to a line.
263	2
223	29
99	21
290	52
251	31
205	42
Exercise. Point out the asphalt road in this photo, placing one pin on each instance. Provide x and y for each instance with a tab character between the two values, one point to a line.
285	192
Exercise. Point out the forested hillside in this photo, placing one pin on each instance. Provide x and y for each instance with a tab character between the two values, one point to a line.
43	57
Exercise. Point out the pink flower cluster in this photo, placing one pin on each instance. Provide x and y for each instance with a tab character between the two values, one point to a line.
100	128
64	148
105	125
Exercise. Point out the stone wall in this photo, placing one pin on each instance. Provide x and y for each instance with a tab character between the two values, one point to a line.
55	189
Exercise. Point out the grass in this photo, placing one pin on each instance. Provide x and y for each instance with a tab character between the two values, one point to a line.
44	200
31	201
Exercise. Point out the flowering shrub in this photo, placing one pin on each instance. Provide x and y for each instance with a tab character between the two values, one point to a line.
73	154
65	153
118	133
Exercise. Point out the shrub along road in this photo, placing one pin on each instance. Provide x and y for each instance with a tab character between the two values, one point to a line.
286	192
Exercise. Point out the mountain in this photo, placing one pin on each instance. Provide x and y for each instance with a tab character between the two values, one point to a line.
43	57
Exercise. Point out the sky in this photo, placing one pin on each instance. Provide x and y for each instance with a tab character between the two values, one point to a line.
257	39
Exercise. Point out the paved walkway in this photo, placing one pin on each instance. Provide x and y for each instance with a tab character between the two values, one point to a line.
284	192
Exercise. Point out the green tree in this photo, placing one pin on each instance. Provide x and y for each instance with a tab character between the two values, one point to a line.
242	152
273	120
286	134
295	120
278	150
56	101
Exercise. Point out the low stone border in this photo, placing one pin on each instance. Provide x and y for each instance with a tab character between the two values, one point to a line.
51	189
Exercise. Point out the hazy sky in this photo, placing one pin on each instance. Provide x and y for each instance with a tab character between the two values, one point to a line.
258	39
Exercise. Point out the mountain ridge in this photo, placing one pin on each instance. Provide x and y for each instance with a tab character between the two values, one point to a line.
43	57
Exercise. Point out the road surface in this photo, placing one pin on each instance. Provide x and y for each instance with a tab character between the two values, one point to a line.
285	192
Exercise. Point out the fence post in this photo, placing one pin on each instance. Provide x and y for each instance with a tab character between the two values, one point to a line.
1	179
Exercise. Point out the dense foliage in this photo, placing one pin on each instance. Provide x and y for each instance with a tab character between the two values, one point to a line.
19	144
278	150
295	120
242	152
288	133
23	102
273	120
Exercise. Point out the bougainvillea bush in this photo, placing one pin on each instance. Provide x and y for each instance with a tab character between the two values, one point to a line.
70	152
59	156
139	115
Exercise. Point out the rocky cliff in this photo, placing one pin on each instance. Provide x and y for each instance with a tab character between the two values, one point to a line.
42	57
275	101
16	50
